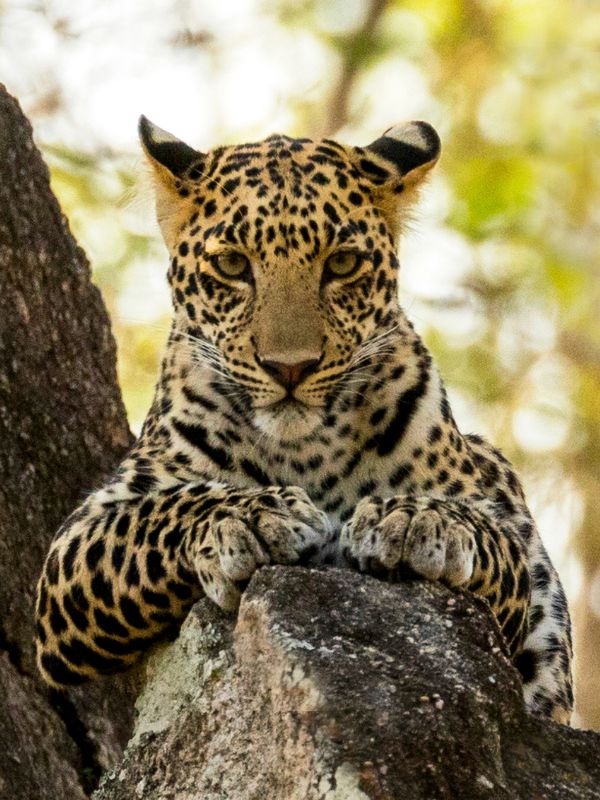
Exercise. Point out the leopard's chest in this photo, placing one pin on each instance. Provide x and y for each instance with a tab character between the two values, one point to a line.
336	472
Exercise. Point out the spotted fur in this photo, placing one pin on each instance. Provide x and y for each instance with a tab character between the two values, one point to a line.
298	416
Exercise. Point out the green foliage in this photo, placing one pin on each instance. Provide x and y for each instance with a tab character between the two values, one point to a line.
492	194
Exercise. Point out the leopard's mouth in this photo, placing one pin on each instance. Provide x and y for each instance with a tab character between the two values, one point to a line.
288	419
287	403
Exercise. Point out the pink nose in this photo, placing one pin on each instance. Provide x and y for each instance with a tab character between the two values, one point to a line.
289	375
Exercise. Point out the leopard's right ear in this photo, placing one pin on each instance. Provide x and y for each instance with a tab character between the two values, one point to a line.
166	152
176	167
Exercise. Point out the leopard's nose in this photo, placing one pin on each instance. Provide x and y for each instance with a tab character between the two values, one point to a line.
289	375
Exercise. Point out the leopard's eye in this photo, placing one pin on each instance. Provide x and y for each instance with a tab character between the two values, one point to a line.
232	265
342	264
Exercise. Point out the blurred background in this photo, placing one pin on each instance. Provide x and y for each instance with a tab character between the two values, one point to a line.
501	269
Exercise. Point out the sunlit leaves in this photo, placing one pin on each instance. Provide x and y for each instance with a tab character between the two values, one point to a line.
493	193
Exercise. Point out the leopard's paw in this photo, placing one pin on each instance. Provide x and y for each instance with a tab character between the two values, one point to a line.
275	526
419	535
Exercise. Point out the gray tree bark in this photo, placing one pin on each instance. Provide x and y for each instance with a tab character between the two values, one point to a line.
62	428
335	686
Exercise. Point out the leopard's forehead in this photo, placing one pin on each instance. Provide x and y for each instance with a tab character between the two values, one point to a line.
280	196
284	150
304	168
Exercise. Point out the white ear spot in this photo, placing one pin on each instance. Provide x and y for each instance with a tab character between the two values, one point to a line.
416	134
156	134
412	147
160	135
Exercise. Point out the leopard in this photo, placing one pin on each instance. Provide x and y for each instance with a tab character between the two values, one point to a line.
298	419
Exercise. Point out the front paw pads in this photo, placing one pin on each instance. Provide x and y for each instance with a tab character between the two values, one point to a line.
391	537
272	528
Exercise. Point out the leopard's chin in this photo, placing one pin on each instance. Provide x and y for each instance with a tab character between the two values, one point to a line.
288	420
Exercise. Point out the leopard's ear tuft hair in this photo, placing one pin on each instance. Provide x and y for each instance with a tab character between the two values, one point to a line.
412	148
165	150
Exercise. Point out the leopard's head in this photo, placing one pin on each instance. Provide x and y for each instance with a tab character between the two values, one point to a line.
283	258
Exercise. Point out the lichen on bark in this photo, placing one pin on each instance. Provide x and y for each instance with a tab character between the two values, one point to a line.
330	685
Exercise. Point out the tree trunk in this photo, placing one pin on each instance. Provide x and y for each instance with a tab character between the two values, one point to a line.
62	428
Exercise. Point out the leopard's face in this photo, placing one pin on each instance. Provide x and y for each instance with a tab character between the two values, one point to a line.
284	265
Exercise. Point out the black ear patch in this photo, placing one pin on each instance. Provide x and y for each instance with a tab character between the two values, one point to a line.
408	146
166	149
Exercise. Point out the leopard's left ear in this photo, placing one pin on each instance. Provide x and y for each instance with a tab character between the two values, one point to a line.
395	166
408	151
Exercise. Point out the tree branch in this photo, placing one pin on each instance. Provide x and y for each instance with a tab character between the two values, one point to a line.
339	102
338	686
